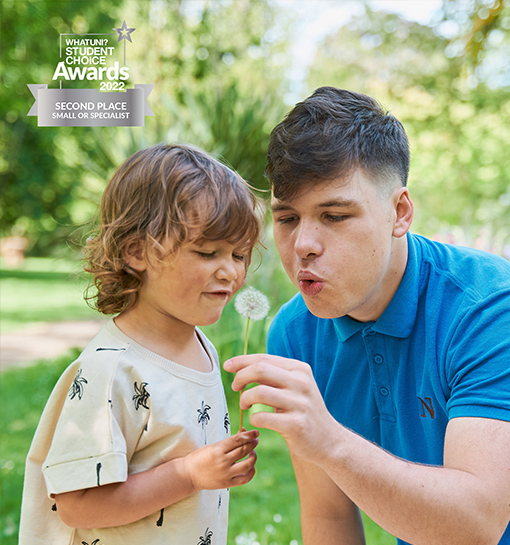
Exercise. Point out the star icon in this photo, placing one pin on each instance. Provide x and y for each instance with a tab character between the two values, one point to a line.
124	32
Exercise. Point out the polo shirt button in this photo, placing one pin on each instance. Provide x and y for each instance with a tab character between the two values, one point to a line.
384	391
378	358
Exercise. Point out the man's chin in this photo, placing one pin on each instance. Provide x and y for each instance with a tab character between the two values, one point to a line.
320	312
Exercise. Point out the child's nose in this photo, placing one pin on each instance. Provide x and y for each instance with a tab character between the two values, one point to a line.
227	270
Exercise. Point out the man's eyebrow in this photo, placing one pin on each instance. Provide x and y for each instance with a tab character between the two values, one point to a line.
279	206
332	203
337	203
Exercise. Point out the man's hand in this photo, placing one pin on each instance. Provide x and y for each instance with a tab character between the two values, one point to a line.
289	388
464	502
218	465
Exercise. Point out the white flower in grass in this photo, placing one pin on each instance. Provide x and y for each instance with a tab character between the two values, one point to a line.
252	304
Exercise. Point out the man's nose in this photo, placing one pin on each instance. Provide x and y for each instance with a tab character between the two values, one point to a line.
308	242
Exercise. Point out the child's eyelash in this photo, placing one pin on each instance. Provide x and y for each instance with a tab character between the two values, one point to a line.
206	255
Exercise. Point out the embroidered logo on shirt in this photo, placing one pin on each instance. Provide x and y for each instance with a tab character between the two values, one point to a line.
427	407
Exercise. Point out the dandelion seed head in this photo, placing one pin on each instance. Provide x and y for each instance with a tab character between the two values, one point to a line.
252	303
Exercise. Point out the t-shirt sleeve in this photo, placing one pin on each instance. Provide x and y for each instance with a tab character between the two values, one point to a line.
478	361
99	425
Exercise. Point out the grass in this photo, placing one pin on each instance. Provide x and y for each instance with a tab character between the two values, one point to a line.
43	290
264	512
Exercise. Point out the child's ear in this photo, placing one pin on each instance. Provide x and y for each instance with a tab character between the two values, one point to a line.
134	256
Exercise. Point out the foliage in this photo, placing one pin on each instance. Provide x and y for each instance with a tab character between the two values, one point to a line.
36	189
216	85
478	30
458	131
229	125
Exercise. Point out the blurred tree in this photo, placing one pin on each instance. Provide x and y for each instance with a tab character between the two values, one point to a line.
216	66
478	31
458	131
35	190
218	83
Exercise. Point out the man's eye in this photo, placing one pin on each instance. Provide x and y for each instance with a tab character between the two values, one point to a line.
283	221
335	218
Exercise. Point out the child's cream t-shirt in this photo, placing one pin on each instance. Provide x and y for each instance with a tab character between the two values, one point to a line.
121	409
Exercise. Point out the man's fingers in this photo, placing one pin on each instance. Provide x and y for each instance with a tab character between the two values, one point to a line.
264	369
235	364
278	399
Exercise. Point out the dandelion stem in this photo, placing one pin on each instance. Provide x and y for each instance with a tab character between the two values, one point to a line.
240	393
246	337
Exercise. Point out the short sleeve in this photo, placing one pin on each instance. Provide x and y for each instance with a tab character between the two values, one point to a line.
98	427
478	361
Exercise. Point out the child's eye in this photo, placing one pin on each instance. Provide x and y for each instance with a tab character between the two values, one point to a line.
239	257
206	255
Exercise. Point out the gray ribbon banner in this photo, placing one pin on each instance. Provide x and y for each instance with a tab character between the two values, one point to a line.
90	107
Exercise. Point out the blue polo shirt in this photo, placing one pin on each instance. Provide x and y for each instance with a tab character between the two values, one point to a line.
440	350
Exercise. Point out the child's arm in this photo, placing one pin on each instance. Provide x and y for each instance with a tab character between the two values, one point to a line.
210	467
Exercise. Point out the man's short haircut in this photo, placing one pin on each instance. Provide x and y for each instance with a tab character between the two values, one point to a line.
329	135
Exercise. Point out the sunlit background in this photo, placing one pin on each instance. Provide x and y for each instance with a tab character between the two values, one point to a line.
225	72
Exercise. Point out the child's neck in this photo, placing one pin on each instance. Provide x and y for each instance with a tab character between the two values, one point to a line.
167	337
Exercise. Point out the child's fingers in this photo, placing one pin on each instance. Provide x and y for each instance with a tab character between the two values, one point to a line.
244	471
237	441
241	451
246	465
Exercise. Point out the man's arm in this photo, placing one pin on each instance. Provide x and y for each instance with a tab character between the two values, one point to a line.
328	516
465	502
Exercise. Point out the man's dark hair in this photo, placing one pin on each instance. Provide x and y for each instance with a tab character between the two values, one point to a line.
329	135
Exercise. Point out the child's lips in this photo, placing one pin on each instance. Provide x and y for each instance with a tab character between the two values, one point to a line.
219	294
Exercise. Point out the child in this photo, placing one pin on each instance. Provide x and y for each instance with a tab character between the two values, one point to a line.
134	444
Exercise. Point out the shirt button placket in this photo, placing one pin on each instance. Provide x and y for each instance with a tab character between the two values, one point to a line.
380	373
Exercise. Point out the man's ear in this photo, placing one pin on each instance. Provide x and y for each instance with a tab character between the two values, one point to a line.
134	256
404	211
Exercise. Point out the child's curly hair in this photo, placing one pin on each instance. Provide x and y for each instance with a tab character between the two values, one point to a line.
165	193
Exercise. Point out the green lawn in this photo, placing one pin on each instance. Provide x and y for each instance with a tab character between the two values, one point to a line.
43	290
264	512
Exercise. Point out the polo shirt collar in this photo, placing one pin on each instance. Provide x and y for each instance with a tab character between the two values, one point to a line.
399	316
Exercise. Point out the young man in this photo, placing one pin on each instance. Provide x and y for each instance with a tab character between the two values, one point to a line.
389	372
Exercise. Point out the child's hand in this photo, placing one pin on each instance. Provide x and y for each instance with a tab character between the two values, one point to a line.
217	466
